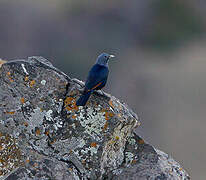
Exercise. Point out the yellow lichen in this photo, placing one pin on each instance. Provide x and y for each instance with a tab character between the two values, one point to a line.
117	138
70	169
26	78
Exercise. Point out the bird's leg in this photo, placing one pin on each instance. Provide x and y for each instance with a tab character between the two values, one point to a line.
101	92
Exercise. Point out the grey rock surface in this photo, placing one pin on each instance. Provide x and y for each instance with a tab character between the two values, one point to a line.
44	135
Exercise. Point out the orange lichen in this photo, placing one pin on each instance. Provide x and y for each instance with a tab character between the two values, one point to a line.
9	154
68	101
37	131
111	104
70	104
22	100
10	79
70	169
68	108
32	83
141	141
1	147
26	78
93	144
10	112
53	141
105	126
106	115
75	107
26	124
27	161
46	132
74	116
134	161
111	114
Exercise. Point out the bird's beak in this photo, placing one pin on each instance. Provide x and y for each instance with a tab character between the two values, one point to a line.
111	56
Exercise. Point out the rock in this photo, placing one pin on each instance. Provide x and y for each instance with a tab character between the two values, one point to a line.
44	135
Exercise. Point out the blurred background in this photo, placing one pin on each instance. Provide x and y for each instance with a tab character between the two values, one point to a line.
160	64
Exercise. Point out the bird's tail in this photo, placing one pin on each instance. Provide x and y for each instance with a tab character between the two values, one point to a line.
83	99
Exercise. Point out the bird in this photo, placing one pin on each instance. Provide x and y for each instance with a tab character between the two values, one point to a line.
96	78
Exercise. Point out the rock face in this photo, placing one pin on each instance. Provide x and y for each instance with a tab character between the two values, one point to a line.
44	135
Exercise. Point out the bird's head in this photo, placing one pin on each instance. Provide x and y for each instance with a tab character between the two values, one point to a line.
104	58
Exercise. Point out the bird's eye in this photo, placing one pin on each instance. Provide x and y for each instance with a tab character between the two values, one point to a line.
105	56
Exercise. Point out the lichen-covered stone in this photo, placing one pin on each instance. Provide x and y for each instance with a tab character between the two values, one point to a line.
44	135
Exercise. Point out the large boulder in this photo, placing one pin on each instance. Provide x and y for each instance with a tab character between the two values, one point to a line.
44	135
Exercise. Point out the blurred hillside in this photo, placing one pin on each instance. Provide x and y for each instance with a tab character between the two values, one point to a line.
159	68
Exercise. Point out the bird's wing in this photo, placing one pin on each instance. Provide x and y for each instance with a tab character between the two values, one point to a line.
97	77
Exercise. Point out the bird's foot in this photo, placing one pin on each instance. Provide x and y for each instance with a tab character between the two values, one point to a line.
102	93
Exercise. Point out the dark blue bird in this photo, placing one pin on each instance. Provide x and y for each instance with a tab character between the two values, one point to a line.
96	79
